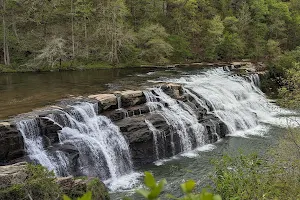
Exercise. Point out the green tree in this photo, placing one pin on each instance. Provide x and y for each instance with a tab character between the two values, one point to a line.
153	43
213	38
232	47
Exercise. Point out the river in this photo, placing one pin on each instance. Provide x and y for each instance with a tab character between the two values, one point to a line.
23	92
254	123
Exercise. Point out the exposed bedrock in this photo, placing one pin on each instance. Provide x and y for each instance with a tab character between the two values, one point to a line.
130	112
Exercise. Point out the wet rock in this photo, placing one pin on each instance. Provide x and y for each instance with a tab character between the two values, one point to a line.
140	138
215	128
106	101
11	143
49	130
174	90
119	114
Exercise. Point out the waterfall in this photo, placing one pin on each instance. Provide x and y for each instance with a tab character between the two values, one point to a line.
103	151
179	116
159	140
207	106
235	100
34	146
119	101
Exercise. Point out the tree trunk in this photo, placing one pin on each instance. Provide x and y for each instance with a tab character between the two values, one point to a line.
73	37
16	31
5	43
86	38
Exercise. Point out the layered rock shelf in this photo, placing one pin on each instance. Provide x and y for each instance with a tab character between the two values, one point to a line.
127	109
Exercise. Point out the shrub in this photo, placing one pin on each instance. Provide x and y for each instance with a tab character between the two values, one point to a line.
40	184
277	176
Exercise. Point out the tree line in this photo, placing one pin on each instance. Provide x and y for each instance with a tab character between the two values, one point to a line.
38	33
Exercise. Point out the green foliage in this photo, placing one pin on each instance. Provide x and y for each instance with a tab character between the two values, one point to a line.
181	48
252	177
40	35
273	49
152	39
285	69
86	196
98	189
154	190
231	47
40	184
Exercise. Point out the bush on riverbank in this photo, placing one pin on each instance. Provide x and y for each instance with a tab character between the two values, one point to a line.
276	176
284	71
39	184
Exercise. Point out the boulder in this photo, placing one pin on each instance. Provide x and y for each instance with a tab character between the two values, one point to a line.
174	90
12	174
76	187
131	98
11	143
106	101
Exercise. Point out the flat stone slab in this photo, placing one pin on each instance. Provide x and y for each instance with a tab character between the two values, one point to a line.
4	124
132	94
105	98
12	174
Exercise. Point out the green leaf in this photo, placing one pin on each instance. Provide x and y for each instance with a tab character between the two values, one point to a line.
217	197
143	192
155	192
188	186
149	180
86	196
170	196
65	197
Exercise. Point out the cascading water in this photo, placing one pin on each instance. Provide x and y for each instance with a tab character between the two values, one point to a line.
103	151
179	116
237	102
34	145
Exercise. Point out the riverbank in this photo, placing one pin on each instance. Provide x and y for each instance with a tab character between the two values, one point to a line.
79	66
65	66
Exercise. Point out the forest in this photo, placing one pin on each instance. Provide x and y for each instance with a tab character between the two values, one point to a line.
51	34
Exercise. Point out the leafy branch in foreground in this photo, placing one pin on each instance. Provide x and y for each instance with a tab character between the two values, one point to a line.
154	190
